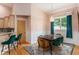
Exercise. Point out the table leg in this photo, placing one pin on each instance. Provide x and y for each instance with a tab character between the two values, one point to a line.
50	48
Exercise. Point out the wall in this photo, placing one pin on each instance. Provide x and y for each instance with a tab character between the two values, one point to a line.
39	23
73	12
21	9
3	37
4	11
28	29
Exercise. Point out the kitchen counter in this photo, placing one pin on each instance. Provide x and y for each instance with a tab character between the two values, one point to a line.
6	33
5	36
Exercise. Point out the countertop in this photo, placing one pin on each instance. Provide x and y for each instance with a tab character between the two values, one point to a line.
5	33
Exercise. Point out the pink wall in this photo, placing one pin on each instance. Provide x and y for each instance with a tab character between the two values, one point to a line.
22	9
39	23
73	12
4	11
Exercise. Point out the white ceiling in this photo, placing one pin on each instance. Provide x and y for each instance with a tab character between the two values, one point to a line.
46	7
7	4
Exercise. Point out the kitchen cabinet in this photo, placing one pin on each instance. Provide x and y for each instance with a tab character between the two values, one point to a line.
9	22
1	22
6	21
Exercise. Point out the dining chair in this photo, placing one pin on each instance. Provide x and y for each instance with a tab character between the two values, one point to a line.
58	41
8	42
18	39
43	44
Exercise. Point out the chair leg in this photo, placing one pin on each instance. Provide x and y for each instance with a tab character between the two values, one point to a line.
72	49
9	49
14	46
62	44
38	48
43	51
50	48
17	44
2	49
11	45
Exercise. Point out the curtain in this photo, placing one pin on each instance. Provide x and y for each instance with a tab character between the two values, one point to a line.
69	26
52	27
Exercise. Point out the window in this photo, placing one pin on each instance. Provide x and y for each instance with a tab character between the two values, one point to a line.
60	23
57	24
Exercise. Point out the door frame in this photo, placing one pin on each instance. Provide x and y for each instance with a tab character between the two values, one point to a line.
16	18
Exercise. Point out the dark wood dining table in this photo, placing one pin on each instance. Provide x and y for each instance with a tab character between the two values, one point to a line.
49	38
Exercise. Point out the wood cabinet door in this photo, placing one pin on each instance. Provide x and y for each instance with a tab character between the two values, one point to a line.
11	20
6	22
1	23
21	29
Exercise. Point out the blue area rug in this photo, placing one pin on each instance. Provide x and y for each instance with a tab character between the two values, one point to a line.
66	49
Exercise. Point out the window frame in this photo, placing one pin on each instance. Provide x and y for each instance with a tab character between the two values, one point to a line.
60	18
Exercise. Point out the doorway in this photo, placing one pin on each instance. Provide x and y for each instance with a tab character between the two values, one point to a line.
21	28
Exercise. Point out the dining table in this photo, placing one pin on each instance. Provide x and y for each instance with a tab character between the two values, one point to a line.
49	38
